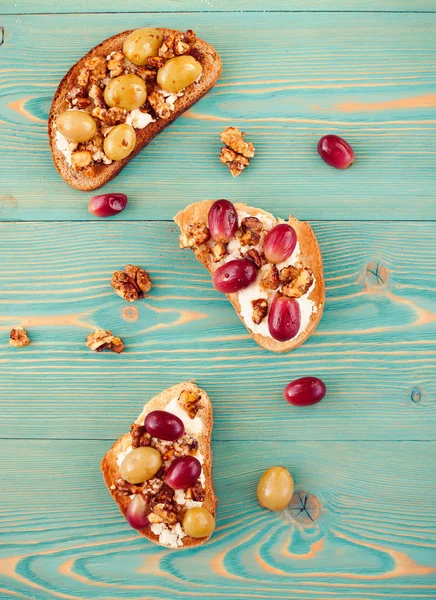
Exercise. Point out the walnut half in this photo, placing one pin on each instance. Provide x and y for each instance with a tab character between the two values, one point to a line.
300	284
260	310
132	283
237	151
100	339
19	338
191	402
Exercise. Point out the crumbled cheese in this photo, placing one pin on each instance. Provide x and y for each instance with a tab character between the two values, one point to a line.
64	146
122	455
179	497
170	98
170	536
192	426
138	119
99	156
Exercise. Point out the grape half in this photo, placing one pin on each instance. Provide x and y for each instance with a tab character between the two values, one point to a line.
183	472
284	318
234	275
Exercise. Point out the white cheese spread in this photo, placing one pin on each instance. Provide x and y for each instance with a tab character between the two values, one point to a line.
64	146
192	426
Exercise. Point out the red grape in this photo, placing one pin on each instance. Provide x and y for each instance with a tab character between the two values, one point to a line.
107	205
164	425
335	151
284	318
183	472
234	275
305	391
222	221
279	243
137	512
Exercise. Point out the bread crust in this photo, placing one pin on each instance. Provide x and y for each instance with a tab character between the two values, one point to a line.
110	469
310	257
212	66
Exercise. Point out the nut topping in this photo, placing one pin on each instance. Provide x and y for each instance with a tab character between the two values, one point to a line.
115	64
260	310
110	117
254	256
300	285
237	152
81	159
165	513
218	251
196	235
287	274
101	339
132	283
270	279
157	102
191	402
249	234
139	436
19	338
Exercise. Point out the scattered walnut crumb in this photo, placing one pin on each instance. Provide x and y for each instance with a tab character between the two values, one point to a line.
289	273
176	44
191	402
19	338
100	339
270	278
255	257
166	514
157	102
115	64
260	310
132	283
110	117
299	285
139	436
237	151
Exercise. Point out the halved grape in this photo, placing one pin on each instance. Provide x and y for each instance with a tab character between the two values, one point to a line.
183	472
335	151
198	522
305	391
164	425
140	464
284	318
279	243
107	205
234	275
222	221
137	512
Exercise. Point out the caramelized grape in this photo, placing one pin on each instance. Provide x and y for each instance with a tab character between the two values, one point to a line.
275	488
126	91
76	125
140	464
198	522
119	142
107	205
222	221
137	512
142	43
335	151
183	472
279	243
234	275
284	318
305	391
177	73
164	425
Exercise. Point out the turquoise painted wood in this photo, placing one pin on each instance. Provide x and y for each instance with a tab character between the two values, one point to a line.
373	533
368	77
375	346
366	456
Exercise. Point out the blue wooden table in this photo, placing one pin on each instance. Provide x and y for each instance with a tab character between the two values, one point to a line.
364	459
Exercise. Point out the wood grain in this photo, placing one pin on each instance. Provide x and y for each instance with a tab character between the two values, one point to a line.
375	346
161	6
369	78
374	537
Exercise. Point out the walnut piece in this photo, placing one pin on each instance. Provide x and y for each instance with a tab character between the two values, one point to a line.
96	95
83	78
124	488
145	73
115	64
191	402
176	44
260	310
235	162
132	283
234	139
81	159
98	67
155	62
100	339
139	435
250	231
81	103
167	515
300	285
197	234
270	278
196	493
254	256
110	117
157	102
218	251
289	273
19	338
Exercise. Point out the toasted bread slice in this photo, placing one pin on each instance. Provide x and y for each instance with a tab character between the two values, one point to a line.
309	256
203	418
202	51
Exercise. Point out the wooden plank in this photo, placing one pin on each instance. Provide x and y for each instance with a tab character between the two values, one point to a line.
161	6
374	536
367	77
375	346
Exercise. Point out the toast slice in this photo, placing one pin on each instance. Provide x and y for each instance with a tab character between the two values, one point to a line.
71	92
306	256
193	407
